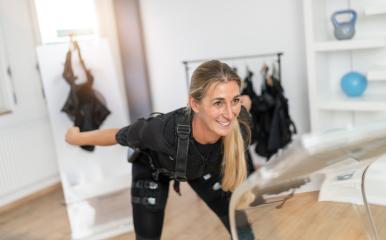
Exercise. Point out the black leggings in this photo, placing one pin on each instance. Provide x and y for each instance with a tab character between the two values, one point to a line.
149	200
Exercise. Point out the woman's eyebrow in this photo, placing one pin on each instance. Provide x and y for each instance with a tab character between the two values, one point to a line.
218	99
223	99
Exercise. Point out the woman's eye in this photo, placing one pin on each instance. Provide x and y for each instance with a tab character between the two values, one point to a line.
236	100
217	104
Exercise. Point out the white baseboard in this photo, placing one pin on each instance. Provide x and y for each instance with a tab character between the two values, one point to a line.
28	190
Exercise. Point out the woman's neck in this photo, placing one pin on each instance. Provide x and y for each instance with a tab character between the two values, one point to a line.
201	133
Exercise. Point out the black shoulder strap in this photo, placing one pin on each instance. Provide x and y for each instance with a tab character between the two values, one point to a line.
183	130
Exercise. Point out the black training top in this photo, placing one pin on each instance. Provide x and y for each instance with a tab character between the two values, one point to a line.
157	136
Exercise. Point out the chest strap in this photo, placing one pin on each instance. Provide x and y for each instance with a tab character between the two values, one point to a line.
183	130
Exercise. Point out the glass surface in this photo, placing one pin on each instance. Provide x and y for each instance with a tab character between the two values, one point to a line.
374	188
317	188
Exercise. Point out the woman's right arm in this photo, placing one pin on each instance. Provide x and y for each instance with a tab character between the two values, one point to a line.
144	133
105	137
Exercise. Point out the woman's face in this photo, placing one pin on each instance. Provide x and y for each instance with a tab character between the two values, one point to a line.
218	108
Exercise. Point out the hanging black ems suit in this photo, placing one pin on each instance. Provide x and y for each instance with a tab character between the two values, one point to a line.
157	160
84	105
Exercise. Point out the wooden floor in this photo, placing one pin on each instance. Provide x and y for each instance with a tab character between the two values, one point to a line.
187	217
302	217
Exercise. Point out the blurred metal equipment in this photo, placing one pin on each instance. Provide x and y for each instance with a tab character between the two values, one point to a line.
348	203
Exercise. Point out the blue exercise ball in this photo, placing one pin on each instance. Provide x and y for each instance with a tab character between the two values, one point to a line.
353	84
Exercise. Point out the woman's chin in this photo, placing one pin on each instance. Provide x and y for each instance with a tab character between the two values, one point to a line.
221	131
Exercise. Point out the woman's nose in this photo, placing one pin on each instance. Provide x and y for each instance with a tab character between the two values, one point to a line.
228	112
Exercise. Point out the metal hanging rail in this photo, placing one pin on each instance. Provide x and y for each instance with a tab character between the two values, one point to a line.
187	62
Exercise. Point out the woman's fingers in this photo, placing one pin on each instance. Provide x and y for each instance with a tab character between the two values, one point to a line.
72	135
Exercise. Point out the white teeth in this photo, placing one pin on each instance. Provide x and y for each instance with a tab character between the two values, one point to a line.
224	124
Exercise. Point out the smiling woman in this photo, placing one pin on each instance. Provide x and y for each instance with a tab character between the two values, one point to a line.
203	144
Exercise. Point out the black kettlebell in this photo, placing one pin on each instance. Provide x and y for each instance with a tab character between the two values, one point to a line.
345	29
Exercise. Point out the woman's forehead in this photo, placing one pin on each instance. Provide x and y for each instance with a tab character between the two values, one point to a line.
223	89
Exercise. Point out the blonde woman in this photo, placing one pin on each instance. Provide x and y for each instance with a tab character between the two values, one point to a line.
203	144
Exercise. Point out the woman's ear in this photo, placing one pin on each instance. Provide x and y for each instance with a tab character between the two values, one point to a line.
193	103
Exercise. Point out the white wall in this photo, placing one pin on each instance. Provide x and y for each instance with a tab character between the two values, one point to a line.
28	160
108	30
27	157
177	30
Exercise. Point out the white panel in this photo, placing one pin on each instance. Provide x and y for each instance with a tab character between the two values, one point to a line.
86	175
79	166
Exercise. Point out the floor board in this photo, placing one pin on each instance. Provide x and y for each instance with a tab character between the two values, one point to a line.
187	217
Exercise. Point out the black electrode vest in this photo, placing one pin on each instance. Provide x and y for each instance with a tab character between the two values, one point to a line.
165	143
183	131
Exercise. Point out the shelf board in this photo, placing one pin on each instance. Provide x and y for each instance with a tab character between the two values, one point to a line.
349	45
376	74
375	10
364	103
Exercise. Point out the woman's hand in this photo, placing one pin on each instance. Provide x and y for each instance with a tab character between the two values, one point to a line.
246	102
72	136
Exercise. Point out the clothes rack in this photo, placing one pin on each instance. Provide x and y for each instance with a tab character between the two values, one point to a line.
187	62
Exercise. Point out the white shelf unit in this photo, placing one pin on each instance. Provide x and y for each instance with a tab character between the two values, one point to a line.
375	9
329	59
377	74
349	45
363	103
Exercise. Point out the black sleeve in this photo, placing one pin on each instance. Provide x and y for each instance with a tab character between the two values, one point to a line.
144	134
121	136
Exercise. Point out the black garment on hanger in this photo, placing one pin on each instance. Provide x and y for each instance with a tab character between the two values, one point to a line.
280	128
83	105
272	126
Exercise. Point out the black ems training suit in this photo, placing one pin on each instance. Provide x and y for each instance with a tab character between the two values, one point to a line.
155	141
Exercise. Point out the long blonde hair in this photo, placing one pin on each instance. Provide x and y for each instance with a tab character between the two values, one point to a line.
234	167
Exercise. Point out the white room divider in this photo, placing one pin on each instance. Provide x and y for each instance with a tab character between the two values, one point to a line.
96	184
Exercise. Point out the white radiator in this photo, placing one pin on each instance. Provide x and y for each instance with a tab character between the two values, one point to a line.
27	160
